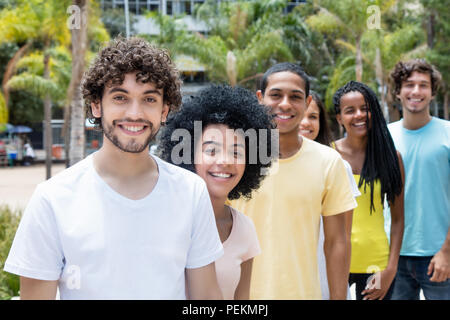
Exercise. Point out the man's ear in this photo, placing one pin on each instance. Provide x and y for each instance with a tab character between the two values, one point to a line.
260	96
308	100
96	108
165	112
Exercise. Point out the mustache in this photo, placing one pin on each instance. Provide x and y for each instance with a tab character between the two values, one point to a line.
132	120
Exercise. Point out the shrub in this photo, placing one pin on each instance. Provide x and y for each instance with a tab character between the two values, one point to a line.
9	221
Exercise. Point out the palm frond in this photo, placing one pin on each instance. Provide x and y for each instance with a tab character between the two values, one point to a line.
18	24
33	84
261	52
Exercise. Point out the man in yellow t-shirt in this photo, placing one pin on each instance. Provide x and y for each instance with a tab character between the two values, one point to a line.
308	180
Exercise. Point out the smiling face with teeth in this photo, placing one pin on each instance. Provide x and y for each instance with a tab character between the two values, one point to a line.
310	125
416	93
354	114
220	159
285	94
131	114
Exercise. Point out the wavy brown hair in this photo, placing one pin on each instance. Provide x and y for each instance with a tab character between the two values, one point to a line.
122	56
403	71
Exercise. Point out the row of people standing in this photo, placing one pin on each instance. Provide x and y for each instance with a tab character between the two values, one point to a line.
423	260
307	182
125	224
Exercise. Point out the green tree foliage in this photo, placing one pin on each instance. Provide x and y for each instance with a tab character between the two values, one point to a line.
437	17
364	51
3	110
30	78
39	22
243	39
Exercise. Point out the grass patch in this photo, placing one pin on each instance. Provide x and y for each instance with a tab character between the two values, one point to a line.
9	221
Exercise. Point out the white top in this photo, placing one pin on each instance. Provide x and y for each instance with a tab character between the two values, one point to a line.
102	245
241	245
320	254
29	152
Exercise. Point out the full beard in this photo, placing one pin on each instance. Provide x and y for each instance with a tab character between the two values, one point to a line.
132	146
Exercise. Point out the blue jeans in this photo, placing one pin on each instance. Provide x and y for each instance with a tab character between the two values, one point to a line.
412	276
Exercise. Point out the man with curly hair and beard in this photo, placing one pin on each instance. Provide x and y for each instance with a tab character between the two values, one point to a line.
108	228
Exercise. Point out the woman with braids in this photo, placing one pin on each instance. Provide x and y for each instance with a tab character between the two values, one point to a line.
378	170
230	163
314	126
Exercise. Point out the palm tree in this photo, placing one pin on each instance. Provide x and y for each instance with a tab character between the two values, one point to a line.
16	25
374	50
348	21
41	21
87	35
244	38
74	96
437	15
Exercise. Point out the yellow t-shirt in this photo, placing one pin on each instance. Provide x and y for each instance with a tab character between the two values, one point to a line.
370	246
286	212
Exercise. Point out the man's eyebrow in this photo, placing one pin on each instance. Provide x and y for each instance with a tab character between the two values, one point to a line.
152	91
116	89
421	81
295	90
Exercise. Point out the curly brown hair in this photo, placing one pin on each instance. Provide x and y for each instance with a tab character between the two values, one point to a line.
122	56
403	71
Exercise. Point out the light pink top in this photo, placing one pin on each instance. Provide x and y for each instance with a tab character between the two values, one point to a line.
241	245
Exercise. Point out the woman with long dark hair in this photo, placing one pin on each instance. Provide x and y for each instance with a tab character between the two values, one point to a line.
378	169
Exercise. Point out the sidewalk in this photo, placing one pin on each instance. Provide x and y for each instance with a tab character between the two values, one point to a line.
18	183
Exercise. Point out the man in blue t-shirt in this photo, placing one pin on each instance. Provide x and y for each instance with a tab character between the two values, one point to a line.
424	143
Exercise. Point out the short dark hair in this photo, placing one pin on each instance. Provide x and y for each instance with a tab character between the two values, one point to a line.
324	135
285	67
403	71
237	108
122	56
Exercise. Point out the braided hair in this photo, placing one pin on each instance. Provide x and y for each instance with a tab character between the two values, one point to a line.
381	160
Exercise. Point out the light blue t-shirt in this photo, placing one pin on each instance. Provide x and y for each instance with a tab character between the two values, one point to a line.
426	158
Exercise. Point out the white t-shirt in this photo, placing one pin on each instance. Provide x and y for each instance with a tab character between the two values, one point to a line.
320	254
241	245
102	245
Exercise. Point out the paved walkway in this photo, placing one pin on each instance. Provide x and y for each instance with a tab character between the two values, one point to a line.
18	183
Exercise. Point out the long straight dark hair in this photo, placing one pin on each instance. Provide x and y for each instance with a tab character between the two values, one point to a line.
381	160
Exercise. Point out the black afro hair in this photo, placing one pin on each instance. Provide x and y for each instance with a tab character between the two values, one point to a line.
236	107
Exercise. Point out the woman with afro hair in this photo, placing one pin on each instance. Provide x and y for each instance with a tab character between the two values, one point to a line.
228	154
